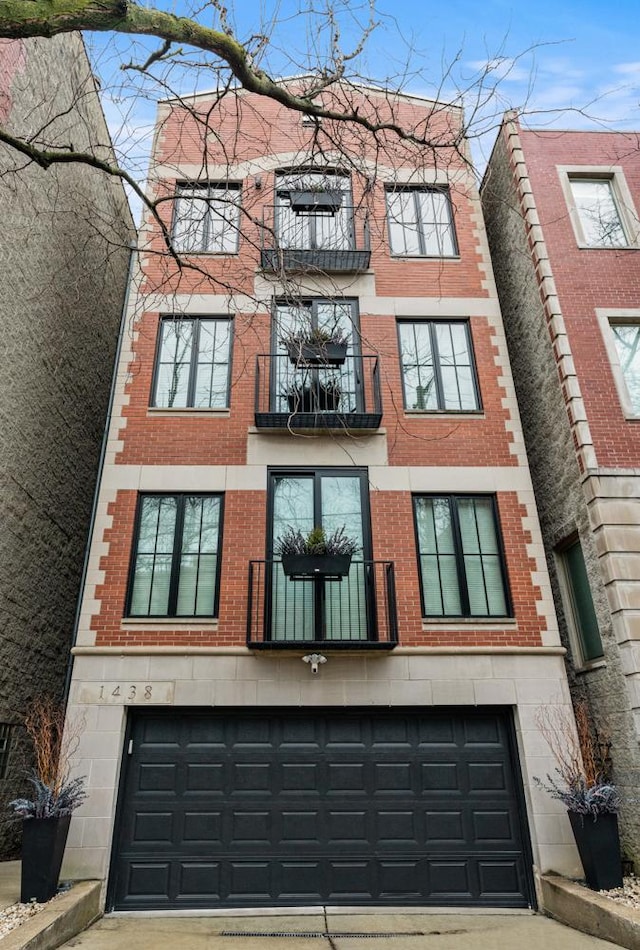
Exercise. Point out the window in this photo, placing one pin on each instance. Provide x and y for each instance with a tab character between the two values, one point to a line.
462	568
175	564
626	337
437	366
319	229
578	604
193	363
5	743
597	211
207	218
421	223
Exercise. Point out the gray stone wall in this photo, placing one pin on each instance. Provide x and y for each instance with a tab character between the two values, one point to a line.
556	477
64	255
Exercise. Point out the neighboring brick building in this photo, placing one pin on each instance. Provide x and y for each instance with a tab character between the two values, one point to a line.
64	254
561	213
223	771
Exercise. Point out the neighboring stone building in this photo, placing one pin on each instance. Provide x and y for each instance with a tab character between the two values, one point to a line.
561	210
64	253
224	770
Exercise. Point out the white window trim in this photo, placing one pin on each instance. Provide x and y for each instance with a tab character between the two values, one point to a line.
605	319
622	197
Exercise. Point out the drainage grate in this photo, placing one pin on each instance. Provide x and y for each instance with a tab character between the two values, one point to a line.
329	936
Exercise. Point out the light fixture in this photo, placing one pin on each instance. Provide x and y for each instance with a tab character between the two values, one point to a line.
314	660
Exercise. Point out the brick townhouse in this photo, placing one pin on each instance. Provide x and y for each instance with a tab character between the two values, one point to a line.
260	738
562	218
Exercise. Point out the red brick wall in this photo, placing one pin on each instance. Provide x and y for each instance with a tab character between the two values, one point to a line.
176	439
244	540
589	278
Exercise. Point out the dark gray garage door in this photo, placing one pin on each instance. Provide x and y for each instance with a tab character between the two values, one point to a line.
339	807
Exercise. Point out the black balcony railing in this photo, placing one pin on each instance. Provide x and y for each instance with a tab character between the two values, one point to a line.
309	241
358	612
297	395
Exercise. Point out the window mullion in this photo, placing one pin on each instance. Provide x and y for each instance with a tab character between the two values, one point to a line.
193	363
435	352
177	554
457	543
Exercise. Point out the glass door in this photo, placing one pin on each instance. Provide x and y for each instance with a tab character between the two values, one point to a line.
301	388
313	231
321	610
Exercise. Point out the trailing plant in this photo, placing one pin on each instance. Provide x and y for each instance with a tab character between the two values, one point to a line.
317	542
582	781
55	742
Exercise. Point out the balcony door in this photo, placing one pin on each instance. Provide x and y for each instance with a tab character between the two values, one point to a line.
312	230
300	388
319	610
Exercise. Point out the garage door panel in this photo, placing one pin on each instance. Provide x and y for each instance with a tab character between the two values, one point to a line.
247	808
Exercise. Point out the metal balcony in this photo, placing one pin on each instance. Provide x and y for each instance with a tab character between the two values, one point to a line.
356	613
296	395
315	243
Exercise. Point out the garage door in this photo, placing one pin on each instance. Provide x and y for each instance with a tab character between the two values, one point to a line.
296	807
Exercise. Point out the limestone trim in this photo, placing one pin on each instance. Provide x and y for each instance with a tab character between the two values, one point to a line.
245	651
622	197
607	317
548	294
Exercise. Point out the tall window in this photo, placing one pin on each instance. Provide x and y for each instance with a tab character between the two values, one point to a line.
598	213
437	366
626	337
175	564
461	564
421	223
578	603
193	363
317	229
207	218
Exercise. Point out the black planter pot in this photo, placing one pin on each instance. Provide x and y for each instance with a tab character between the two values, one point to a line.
599	849
316	565
43	841
317	354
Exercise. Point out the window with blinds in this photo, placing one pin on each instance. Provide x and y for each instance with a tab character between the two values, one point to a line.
462	569
175	566
207	218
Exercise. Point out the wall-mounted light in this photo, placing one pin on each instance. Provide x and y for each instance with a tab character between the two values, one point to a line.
257	182
314	660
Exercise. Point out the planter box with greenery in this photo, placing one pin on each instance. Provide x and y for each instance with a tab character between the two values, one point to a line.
316	555
324	397
583	786
317	347
47	815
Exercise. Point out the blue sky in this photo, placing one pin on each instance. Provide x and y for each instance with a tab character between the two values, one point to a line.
549	57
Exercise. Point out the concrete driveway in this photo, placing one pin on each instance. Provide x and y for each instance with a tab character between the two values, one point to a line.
337	932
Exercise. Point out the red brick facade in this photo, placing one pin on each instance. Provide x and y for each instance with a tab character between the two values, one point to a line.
473	441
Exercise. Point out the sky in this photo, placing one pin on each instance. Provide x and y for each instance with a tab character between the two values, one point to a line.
568	63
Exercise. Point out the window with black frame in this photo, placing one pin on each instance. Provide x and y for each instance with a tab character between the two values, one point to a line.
176	558
462	568
313	211
300	387
421	222
207	218
438	372
193	363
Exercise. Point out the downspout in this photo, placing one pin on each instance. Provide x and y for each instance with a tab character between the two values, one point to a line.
103	452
